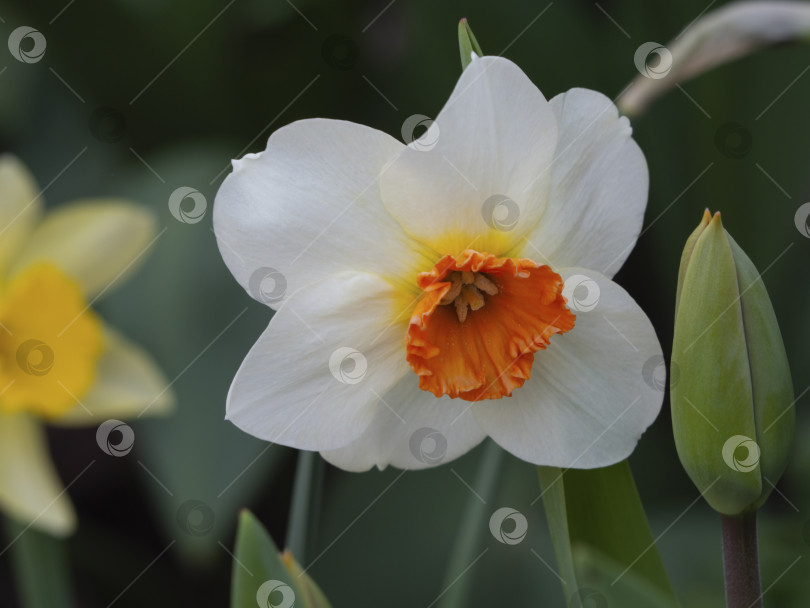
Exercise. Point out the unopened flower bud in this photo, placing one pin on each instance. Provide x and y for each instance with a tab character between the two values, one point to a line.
733	408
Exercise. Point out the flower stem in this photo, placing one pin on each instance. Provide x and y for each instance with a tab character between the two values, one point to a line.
470	530
741	561
305	504
36	557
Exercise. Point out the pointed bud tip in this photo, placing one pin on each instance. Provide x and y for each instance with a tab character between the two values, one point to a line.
715	222
467	44
287	558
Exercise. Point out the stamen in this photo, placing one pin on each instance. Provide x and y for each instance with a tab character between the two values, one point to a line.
465	292
483	283
455	288
461	309
473	297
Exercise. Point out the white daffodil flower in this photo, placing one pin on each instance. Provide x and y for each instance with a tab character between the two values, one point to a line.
415	286
59	363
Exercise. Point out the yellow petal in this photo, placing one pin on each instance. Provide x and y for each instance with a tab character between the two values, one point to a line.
20	207
128	384
30	489
94	241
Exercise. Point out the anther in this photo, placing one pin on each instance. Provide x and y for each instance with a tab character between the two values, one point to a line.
467	291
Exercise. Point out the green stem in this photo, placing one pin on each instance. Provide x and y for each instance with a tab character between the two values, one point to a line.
472	526
741	561
305	504
40	567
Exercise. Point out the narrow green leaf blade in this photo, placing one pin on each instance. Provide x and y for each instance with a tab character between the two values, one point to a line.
467	44
600	509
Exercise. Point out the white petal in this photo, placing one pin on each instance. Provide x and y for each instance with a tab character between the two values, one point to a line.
313	378
495	137
30	489
309	207
129	383
20	207
592	392
94	241
411	429
599	186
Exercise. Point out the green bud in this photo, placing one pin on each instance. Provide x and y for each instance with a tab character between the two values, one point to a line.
467	44
310	595
732	404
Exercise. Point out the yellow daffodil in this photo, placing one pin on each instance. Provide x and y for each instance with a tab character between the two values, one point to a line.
417	286
59	363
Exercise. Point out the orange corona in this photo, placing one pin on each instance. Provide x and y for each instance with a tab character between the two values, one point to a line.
479	321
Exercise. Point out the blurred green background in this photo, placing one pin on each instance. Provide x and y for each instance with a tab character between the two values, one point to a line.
144	96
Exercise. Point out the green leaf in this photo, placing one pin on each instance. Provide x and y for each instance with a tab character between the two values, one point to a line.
467	44
40	567
601	578
600	509
262	575
312	596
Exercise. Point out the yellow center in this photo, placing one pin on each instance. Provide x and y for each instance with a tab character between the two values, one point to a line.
50	342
